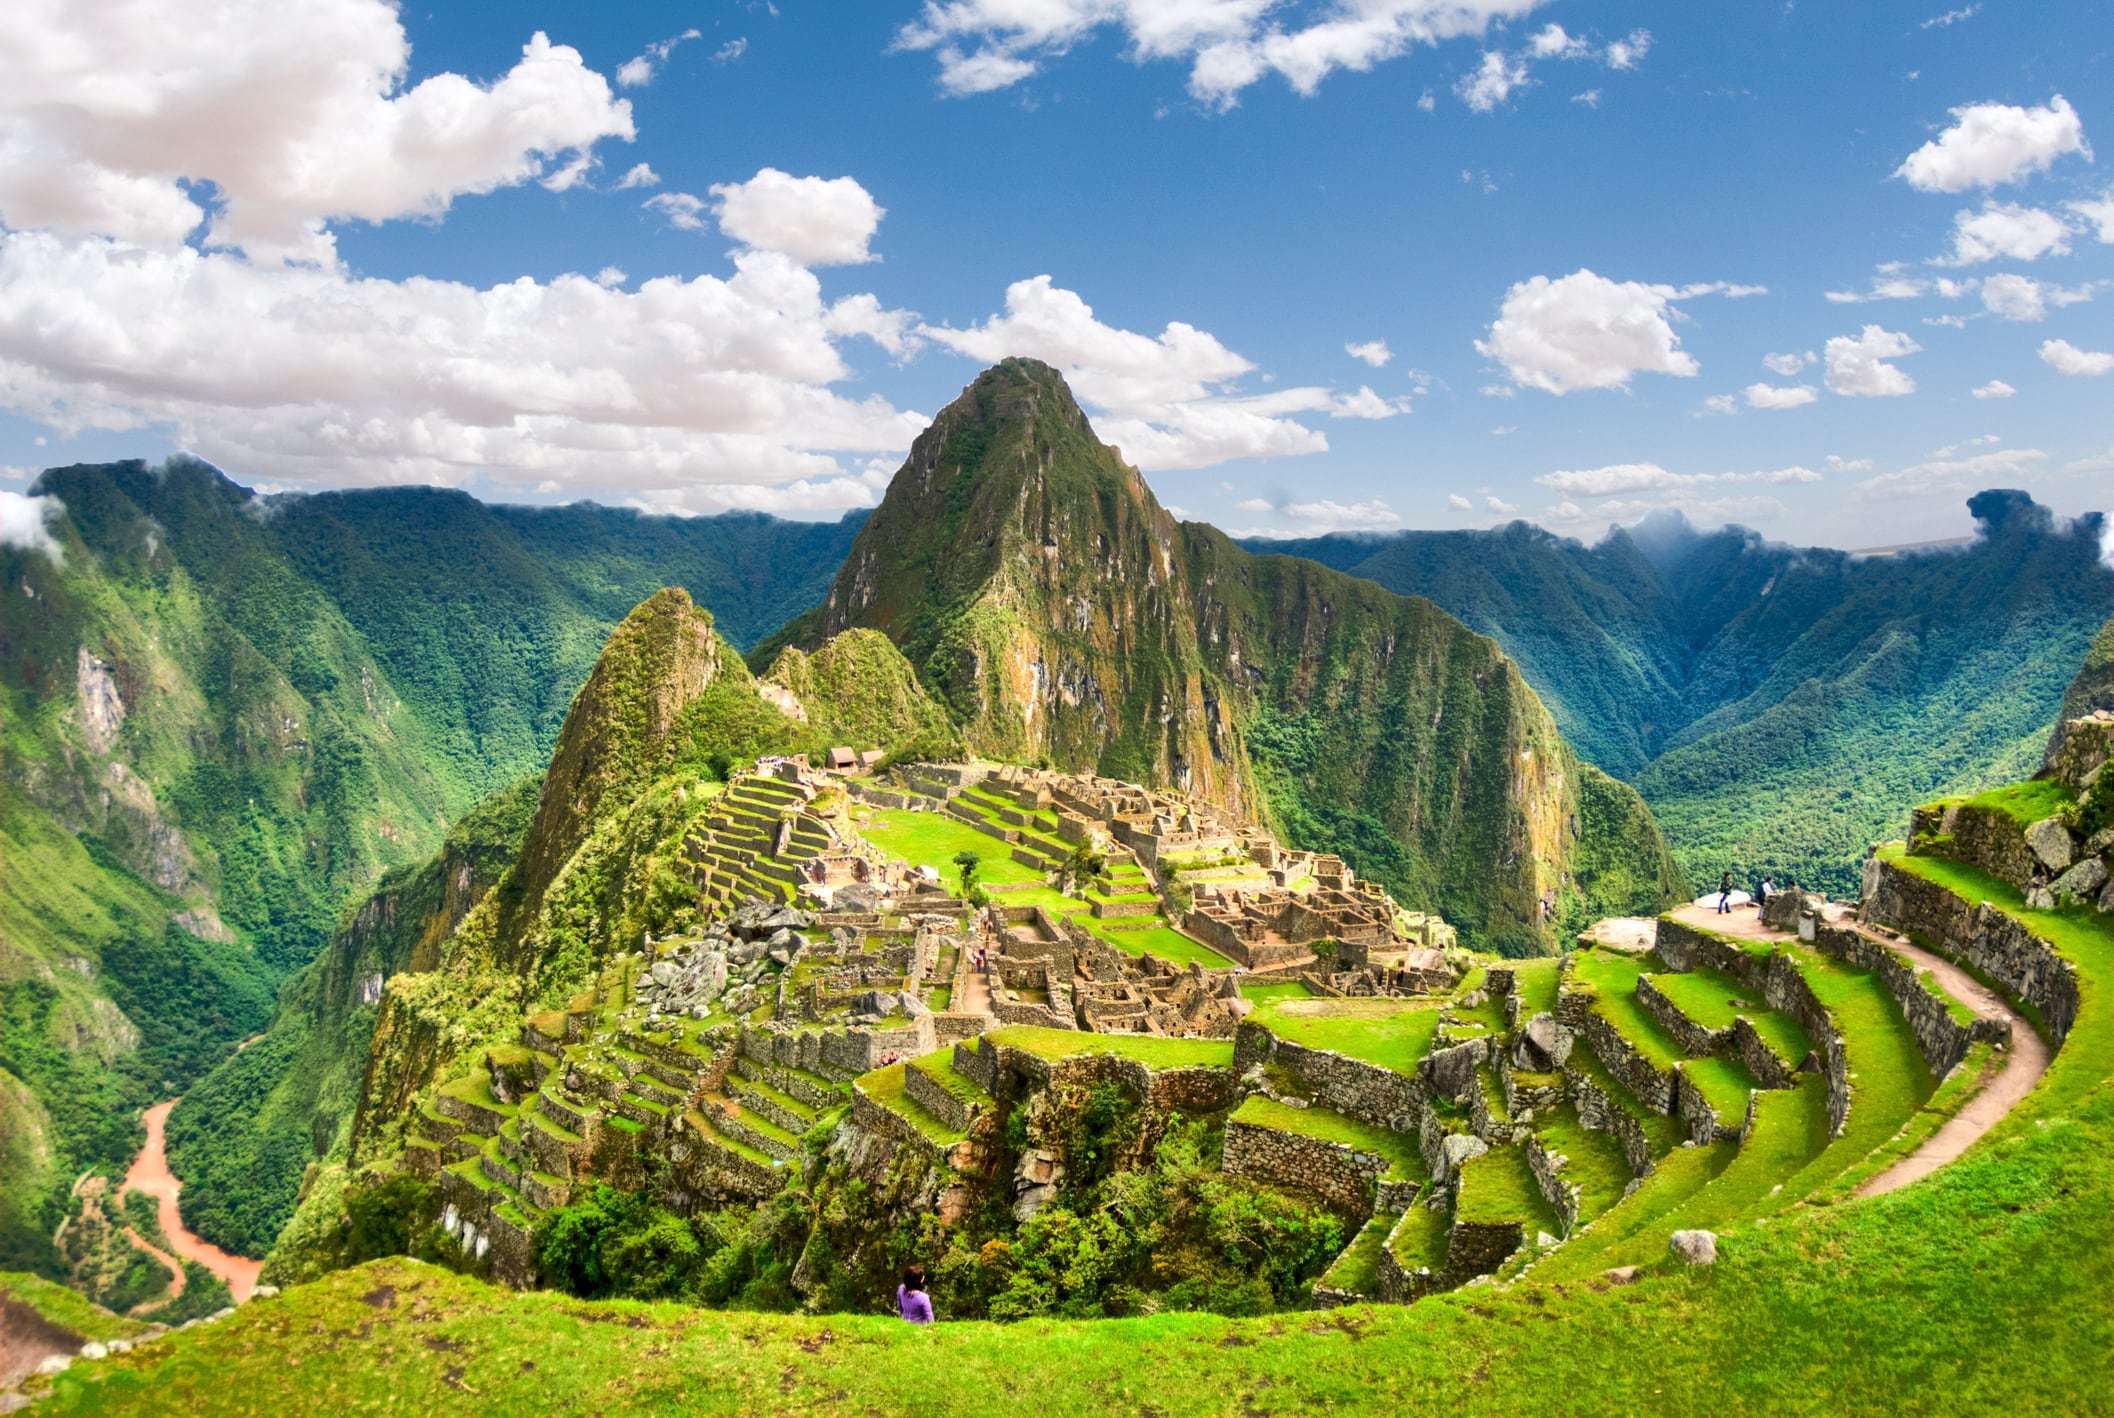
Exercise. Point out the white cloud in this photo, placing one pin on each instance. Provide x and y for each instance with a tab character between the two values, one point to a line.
1492	83
1499	505
684	211
1848	465
1426	103
732	50
816	221
1945	473
1787	365
983	45
2009	230
2066	358
25	522
1990	144
1951	17
1553	43
1373	352
1857	365
1892	284
266	121
1622	478
1568	516
1777	396
639	70
1590	98
672	393
1629	53
2022	298
1584	331
610	277
640	175
2098	214
1459	503
1323	516
1994	389
1720	404
1168	401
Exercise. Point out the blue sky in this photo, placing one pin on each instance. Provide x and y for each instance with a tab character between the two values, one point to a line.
1579	230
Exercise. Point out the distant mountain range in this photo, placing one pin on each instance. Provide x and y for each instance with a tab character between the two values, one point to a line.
1778	707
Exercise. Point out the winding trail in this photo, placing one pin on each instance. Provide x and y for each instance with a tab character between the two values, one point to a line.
2022	1062
150	1174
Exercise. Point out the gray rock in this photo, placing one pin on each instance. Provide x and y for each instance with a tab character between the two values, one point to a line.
1621	1275
665	973
2050	841
1451	1072
1544	1240
92	1350
2082	880
856	896
1694	1247
2100	841
2106	898
2040	898
1544	1044
1455	1149
55	1364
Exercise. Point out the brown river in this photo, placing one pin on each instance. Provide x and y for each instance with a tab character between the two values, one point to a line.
150	1173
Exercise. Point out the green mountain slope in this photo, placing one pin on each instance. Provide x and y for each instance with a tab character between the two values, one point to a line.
1059	612
1778	707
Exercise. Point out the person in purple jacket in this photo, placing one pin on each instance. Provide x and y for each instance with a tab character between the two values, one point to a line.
911	1300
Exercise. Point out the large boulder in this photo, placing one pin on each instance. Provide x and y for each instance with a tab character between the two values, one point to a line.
1455	1149
855	896
2050	841
1694	1247
1543	1045
2082	881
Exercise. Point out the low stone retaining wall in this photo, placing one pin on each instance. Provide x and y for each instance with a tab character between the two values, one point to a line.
1704	1124
870	1116
1977	934
1695	1040
1631	1069
1943	1039
1477	1248
1336	1172
1396	1284
1353	1087
935	1098
1598	1111
1761	1060
1561	1193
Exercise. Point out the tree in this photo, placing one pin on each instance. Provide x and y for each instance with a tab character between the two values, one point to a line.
1081	867
968	862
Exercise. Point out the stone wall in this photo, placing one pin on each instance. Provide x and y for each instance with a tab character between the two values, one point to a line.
1474	1249
1703	1123
1598	1111
1398	1285
1684	947
1943	1039
1695	1040
1353	1087
935	1098
1761	1060
1631	1069
884	1122
1980	935
1340	1175
1561	1193
1991	840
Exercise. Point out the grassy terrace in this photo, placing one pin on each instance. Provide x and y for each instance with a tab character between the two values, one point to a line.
1357	1270
1596	1166
1267	994
1320	1123
1661	1131
1499	1186
1419	1242
1724	1083
885	1086
1706	996
939	1068
1391	1033
1613	977
2024	803
1148	1049
1537	986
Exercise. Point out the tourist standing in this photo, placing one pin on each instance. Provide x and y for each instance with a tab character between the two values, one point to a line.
912	1303
1725	895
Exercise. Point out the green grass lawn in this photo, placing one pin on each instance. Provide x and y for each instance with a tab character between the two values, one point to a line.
1357	1270
933	839
1419	1240
1537	986
1265	994
1148	1049
1391	1033
1706	996
939	1068
1499	1186
1399	1148
1724	1083
1596	1163
2024	803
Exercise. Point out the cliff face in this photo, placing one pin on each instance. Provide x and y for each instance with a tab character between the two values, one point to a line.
1059	611
2090	692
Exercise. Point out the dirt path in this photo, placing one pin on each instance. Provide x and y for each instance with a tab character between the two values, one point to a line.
976	993
2022	1064
150	1173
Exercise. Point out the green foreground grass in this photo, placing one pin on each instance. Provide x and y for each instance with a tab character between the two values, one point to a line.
1150	1050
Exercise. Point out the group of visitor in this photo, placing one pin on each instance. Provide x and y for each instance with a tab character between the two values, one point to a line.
1762	893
